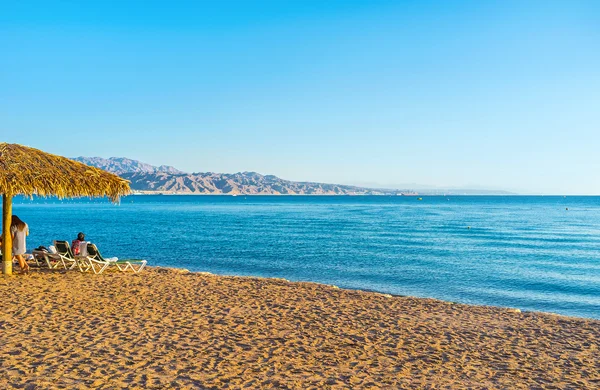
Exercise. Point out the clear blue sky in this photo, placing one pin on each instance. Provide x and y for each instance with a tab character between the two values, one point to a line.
496	94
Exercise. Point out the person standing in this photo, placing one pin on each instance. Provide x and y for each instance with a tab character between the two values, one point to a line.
19	232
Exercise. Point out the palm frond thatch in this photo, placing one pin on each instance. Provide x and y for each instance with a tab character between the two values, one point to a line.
28	171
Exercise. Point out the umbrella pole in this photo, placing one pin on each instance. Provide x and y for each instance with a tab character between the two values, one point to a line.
6	237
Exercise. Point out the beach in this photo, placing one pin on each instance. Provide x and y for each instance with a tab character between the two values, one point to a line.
169	328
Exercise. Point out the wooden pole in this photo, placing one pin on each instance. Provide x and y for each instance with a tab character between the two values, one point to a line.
6	236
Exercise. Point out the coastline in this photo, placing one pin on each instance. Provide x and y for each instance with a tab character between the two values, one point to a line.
166	193
369	291
168	327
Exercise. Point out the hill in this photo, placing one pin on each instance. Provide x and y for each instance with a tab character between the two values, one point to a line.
120	165
146	178
166	179
250	183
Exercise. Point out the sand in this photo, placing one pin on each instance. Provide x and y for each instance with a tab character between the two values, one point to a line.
169	329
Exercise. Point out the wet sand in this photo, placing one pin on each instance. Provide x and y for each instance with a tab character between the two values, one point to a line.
171	329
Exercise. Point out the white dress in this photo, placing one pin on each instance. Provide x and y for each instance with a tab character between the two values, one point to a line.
20	240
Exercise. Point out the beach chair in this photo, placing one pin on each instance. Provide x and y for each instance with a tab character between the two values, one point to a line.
52	260
98	264
37	258
68	260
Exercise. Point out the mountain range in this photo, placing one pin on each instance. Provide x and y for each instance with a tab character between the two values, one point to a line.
120	165
146	178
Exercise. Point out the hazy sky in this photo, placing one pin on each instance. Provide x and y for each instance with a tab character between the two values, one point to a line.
496	94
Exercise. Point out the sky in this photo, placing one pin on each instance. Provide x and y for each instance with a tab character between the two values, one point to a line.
478	94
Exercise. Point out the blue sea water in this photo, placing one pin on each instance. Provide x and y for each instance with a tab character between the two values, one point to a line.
528	252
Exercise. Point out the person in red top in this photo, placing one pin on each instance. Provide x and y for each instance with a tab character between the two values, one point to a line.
75	243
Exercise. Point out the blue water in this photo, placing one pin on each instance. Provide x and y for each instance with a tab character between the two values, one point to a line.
525	252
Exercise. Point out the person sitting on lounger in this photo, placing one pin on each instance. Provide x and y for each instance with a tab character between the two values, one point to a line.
76	243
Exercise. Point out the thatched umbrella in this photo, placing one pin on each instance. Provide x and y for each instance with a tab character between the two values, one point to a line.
28	171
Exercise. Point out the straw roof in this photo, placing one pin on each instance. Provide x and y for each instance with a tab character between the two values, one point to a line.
28	171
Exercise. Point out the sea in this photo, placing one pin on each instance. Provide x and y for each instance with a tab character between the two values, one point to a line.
535	253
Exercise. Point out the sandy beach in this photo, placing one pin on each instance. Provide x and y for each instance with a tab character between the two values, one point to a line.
172	329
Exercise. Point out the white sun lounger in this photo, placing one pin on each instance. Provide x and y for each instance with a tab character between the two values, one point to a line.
99	264
52	260
68	260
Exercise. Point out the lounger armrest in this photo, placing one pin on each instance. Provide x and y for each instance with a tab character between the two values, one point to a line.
131	261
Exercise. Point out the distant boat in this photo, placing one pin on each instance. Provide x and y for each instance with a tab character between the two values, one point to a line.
419	198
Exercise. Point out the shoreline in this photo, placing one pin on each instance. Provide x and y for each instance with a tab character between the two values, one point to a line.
242	194
171	328
376	292
376	195
381	194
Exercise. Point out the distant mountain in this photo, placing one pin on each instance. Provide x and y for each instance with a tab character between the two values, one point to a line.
236	183
165	179
121	165
146	178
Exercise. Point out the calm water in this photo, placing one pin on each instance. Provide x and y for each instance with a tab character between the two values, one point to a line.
524	252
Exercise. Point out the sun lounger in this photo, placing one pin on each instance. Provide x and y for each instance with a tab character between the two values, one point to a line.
37	258
52	260
68	260
98	264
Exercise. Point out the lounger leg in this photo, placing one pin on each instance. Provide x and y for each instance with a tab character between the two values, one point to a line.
141	267
56	264
37	263
104	266
83	265
50	258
